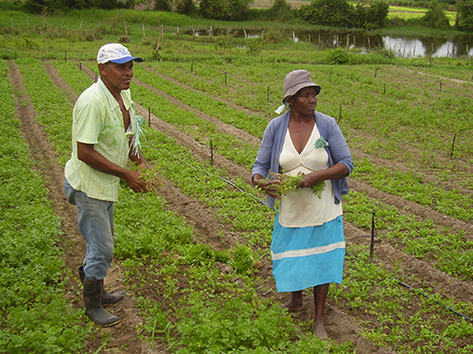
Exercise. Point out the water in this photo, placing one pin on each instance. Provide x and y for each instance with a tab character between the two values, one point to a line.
408	47
404	47
401	46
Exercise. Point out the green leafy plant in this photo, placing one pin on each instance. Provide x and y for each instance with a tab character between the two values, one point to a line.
289	185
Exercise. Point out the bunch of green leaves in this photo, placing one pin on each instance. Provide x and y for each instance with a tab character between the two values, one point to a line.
151	177
289	185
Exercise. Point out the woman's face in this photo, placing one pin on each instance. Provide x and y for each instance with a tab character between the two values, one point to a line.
304	101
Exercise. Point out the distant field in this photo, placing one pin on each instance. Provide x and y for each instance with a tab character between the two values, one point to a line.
406	13
394	11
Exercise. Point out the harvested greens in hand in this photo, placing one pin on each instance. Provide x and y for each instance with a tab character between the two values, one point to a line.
289	183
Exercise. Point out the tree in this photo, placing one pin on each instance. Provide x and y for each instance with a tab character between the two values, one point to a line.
162	5
44	6
376	15
435	17
280	11
185	7
230	10
339	13
336	13
464	19
48	6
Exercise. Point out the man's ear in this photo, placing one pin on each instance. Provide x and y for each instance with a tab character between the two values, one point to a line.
103	69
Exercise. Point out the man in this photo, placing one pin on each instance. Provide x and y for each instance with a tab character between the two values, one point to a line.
103	132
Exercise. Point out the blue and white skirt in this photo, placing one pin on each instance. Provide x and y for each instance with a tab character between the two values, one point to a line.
304	257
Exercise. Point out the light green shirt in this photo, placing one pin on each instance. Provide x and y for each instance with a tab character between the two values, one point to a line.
98	120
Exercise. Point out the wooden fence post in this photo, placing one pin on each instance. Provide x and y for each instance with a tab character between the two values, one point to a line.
453	146
159	41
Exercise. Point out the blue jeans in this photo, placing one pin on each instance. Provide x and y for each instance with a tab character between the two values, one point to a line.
95	221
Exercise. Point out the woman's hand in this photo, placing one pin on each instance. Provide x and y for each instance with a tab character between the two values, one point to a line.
338	170
309	180
268	186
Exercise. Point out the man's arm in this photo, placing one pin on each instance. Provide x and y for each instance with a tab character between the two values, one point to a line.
87	154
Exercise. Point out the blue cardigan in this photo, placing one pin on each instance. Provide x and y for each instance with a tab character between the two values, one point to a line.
267	161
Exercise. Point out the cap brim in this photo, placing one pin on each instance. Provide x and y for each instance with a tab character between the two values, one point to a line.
126	60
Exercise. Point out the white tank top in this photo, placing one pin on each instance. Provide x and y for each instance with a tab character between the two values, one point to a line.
303	208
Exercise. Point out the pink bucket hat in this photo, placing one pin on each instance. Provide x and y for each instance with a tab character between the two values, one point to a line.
297	80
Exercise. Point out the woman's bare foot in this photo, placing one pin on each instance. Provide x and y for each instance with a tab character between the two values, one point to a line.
292	306
319	329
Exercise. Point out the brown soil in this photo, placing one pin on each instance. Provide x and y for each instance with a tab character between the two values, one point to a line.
124	338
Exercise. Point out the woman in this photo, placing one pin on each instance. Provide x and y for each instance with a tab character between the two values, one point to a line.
308	245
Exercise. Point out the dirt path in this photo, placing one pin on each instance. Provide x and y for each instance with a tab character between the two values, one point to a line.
341	325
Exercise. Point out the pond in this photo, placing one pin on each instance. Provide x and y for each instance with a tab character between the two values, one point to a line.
407	47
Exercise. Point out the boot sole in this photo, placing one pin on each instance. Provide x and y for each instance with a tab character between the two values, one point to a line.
111	324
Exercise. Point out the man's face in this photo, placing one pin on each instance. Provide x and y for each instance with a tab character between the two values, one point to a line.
118	76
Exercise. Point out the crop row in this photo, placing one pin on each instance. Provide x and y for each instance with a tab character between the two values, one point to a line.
35	315
156	146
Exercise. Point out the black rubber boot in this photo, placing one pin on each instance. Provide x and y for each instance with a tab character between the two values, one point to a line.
107	298
93	304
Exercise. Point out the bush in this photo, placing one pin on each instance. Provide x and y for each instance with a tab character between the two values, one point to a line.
376	15
11	5
336	13
44	6
186	7
273	35
435	17
51	6
339	13
338	57
162	5
464	20
281	11
229	10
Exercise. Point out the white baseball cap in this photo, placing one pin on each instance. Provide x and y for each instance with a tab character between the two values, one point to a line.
116	53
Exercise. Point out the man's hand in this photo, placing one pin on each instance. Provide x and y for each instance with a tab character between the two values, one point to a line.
94	159
135	182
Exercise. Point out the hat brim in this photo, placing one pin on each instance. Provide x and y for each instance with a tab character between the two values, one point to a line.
296	89
126	60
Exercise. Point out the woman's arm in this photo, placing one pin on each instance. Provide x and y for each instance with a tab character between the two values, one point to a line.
338	170
338	147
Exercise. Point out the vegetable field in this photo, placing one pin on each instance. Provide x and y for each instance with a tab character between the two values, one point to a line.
194	256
